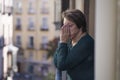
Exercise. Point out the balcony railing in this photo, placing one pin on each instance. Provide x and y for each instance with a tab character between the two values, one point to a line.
30	46
31	27
44	28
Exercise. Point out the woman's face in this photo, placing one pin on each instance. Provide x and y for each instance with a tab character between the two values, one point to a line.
74	30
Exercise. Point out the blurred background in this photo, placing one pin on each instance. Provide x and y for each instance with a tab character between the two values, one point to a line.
29	33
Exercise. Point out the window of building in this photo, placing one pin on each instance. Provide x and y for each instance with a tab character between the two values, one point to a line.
18	7
44	42
30	56
18	23
31	66
44	26
44	7
31	24
18	41
44	57
31	8
31	42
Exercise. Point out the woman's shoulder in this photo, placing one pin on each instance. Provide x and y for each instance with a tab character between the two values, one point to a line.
87	39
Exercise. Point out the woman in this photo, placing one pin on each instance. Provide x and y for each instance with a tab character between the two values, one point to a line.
75	52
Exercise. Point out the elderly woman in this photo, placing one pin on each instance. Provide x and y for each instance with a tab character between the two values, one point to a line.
75	52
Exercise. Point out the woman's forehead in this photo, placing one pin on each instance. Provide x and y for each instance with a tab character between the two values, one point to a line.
66	21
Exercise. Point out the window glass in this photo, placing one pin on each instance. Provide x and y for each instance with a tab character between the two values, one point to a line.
18	23
31	42
18	40
44	23
18	7
31	8
30	23
44	7
44	42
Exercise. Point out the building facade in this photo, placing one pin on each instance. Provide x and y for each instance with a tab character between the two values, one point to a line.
33	22
5	33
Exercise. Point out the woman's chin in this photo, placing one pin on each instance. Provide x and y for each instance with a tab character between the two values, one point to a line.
71	37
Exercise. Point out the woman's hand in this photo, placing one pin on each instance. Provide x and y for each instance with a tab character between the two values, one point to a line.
65	33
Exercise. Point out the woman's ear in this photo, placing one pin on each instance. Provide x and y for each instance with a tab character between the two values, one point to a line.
80	28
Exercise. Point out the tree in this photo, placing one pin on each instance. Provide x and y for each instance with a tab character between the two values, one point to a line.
52	45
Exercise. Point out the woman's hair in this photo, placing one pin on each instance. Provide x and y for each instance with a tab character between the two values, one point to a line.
77	17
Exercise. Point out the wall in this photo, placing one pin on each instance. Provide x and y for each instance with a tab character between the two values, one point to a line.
105	39
118	42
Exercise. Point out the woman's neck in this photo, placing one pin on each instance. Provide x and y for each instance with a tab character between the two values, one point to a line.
78	37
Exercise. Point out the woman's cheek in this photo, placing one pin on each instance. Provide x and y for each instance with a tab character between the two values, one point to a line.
71	36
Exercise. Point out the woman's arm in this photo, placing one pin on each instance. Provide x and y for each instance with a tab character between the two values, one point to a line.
66	60
57	57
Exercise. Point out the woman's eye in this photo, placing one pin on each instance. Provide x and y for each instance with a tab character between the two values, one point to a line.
71	25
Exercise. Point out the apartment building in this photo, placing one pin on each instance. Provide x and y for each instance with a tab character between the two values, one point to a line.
5	35
33	22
